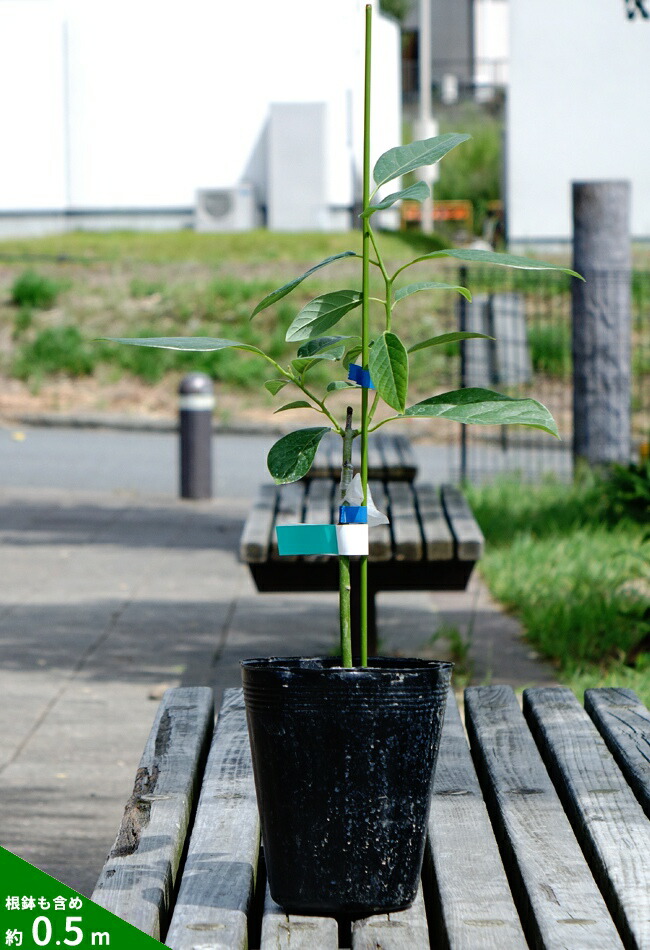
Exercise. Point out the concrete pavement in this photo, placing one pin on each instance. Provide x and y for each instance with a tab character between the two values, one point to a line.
108	596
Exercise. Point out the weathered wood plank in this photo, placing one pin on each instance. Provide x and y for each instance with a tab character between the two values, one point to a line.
438	539
624	723
318	507
608	820
282	931
474	909
469	537
404	522
558	901
289	511
221	865
140	873
256	536
380	545
403	930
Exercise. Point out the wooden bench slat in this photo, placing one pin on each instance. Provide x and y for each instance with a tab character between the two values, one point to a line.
624	723
398	457
318	508
389	456
380	545
438	539
469	537
606	817
140	873
221	865
256	536
403	930
558	901
282	931
289	511
407	536
473	901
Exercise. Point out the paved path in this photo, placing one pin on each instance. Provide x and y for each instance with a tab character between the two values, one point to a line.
106	598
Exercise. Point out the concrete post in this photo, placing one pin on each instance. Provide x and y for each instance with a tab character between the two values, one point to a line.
601	320
195	404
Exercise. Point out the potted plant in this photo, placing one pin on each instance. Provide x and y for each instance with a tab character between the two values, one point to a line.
344	754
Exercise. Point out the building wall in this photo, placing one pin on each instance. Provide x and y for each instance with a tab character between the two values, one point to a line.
577	104
133	105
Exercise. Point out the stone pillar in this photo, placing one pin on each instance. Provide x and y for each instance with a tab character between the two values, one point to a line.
601	320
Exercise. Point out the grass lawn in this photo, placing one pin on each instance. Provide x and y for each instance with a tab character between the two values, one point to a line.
576	573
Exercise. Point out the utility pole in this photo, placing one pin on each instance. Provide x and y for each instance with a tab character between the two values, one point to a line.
426	126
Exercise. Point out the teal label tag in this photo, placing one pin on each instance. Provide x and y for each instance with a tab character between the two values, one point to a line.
304	539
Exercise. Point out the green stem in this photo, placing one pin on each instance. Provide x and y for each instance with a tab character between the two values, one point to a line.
345	614
365	328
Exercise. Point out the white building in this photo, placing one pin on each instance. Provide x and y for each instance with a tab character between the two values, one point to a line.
117	113
577	110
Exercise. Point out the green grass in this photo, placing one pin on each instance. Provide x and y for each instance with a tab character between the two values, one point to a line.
31	289
557	558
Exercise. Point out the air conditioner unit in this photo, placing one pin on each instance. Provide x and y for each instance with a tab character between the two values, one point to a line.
227	209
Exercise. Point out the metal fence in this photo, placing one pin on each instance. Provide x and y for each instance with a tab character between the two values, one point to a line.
529	315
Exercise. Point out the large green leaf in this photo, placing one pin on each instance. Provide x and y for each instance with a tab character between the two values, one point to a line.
417	192
448	338
297	404
275	385
474	256
485	407
406	158
322	313
327	347
388	363
430	285
281	292
190	343
292	457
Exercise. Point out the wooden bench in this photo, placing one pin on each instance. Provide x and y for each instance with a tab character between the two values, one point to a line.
539	835
389	456
431	543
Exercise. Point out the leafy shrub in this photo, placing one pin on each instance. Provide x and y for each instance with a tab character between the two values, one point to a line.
627	491
35	290
550	348
54	350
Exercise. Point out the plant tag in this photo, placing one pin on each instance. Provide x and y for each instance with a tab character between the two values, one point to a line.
306	539
353	514
357	374
352	538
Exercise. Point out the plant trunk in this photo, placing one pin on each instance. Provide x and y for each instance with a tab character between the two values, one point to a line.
345	613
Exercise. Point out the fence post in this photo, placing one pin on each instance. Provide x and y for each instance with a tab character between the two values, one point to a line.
601	309
195	405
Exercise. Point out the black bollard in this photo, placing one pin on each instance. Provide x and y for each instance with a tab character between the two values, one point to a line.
195	406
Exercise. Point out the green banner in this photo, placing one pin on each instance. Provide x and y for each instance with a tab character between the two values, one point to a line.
36	910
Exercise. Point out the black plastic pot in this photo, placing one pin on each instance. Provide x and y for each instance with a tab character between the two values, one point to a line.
344	762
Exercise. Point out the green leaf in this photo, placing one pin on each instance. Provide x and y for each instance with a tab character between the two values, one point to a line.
298	404
292	457
430	285
190	343
389	369
322	313
473	256
351	355
485	407
276	295
448	338
301	366
327	347
406	158
339	384
275	385
417	192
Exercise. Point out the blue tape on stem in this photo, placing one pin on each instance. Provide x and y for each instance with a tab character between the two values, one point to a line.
353	514
359	375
